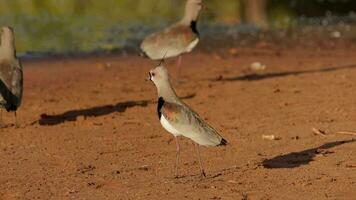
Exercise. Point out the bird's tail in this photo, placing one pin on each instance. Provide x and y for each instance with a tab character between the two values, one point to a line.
223	142
143	54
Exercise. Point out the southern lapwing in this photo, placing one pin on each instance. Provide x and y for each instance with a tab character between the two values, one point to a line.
176	39
179	119
11	76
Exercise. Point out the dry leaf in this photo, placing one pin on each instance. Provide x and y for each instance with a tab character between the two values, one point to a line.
319	132
270	137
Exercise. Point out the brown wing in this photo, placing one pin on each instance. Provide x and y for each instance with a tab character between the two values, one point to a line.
17	79
190	124
173	40
6	72
177	35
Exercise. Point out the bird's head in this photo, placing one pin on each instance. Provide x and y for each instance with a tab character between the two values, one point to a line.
7	35
194	4
192	9
158	75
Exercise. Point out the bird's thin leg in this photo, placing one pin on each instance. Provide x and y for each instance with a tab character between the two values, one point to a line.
177	156
2	125
179	64
202	173
16	122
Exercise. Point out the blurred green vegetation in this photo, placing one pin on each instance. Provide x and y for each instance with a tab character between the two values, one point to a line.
67	26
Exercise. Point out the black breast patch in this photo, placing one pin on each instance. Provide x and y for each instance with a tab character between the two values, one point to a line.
159	106
193	26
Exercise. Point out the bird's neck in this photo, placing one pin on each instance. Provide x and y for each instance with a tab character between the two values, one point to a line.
167	92
187	20
189	17
7	51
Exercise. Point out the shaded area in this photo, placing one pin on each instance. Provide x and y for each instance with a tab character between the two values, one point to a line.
258	77
297	159
310	8
96	111
68	27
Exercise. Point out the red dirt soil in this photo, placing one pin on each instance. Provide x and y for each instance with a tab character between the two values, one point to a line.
89	128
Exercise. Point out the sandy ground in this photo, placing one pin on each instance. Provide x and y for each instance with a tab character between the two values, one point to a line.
89	128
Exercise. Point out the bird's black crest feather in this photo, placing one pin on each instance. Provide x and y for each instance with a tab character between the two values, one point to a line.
159	106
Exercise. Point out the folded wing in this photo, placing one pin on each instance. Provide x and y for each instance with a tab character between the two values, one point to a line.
190	125
170	42
11	81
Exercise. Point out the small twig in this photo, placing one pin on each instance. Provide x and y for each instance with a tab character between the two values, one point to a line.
347	133
351	166
319	132
324	133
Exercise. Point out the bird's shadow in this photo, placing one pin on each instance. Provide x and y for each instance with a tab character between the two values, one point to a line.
96	111
192	178
72	115
257	77
210	175
297	159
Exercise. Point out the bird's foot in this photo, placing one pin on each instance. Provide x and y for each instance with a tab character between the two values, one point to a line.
202	174
17	125
176	174
2	125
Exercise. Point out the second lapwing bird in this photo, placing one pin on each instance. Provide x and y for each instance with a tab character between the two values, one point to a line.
179	119
11	75
176	39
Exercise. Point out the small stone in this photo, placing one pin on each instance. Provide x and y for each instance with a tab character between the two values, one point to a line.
335	34
81	118
257	66
233	51
144	167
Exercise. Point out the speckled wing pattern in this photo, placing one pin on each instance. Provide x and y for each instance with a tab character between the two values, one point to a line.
190	124
172	41
11	81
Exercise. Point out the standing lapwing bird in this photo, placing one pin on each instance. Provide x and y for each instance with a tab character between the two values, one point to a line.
179	119
11	76
178	38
